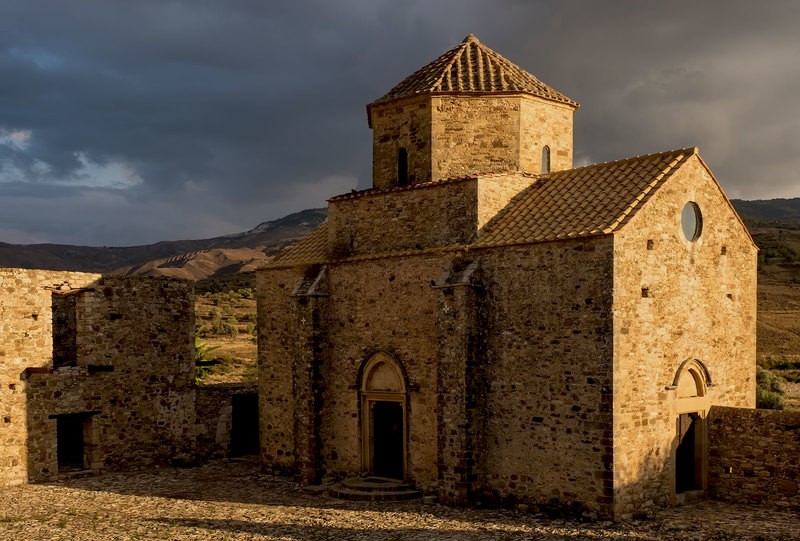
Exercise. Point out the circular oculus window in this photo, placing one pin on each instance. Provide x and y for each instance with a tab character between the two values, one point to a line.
691	221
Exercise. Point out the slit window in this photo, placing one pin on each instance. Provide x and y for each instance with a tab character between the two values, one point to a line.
402	167
545	159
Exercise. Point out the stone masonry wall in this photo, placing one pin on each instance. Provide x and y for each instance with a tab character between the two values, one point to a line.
491	134
453	213
495	192
132	379
382	305
753	456
463	135
402	124
676	300
548	377
376	305
545	123
276	355
214	408
25	341
384	222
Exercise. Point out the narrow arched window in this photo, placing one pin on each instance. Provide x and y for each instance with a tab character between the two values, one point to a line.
402	167
545	159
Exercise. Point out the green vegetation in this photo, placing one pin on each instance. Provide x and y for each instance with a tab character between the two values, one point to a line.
201	351
769	391
225	315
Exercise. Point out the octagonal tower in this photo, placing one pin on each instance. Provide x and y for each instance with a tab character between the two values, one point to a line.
470	111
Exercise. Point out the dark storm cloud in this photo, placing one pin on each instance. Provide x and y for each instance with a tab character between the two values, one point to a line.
130	122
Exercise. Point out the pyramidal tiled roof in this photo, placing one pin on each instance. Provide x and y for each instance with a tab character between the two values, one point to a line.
593	200
472	67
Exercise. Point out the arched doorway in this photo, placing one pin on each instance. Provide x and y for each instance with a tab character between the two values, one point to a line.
691	408
383	418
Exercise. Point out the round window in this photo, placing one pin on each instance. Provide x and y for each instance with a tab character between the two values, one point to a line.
691	221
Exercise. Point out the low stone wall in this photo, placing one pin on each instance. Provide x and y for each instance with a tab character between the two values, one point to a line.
214	414
753	456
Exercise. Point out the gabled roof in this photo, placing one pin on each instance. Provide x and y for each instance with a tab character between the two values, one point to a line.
587	201
593	200
472	67
312	249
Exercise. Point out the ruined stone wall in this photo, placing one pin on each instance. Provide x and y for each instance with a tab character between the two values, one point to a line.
135	369
753	456
403	220
548	376
26	340
214	409
676	300
132	379
402	124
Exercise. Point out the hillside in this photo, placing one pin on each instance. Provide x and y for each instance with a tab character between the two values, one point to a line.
268	238
786	210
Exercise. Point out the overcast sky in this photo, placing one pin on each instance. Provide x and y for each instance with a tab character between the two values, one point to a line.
127	122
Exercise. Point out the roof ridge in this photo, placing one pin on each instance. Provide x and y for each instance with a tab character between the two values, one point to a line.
687	150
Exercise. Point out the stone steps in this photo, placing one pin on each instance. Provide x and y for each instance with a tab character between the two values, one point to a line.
65	475
376	489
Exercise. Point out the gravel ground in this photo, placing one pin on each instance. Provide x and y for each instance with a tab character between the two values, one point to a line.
232	500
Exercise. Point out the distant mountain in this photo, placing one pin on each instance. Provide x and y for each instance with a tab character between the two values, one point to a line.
267	238
229	254
769	209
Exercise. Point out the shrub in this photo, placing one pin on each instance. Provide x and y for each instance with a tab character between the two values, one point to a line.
769	392
201	351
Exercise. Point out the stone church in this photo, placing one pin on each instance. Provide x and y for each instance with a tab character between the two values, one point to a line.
493	324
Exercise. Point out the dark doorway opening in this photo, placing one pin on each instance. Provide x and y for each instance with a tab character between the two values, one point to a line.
70	444
244	425
387	439
689	454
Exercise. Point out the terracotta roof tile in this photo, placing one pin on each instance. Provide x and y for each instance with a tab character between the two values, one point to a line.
312	249
472	67
593	200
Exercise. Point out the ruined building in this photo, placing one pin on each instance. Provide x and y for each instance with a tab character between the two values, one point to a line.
95	372
491	323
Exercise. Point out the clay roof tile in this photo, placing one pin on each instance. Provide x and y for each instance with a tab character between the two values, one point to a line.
592	200
472	67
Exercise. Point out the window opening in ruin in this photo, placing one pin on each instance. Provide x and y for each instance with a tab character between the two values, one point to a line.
402	167
244	425
65	329
545	159
383	418
71	431
689	454
691	221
